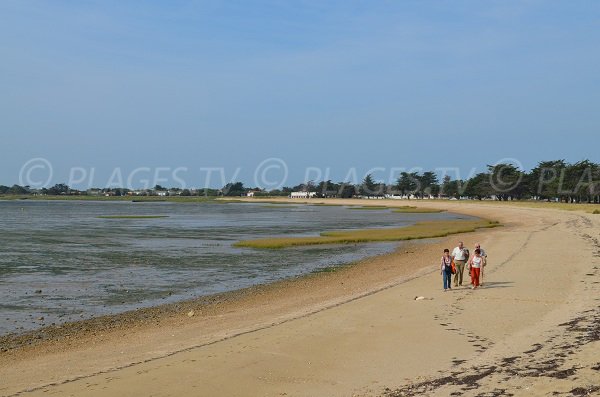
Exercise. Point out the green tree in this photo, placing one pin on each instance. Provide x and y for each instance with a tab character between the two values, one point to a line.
58	189
428	184
234	189
303	187
478	186
450	188
369	187
208	192
506	181
328	188
408	183
17	189
578	183
543	180
347	190
277	192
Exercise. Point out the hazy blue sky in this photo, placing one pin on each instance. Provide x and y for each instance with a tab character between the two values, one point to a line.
339	84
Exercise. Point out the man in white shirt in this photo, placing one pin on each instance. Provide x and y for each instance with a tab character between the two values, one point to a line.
460	256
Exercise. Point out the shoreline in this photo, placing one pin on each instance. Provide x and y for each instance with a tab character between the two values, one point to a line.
368	275
132	327
206	303
165	311
264	309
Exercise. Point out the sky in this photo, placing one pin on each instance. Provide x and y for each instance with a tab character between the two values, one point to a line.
270	93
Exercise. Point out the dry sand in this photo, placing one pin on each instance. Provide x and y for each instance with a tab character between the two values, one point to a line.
533	329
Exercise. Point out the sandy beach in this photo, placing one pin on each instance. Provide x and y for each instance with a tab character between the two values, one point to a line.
533	329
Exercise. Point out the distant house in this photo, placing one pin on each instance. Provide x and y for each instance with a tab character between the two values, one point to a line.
374	197
303	194
161	193
251	193
94	192
402	196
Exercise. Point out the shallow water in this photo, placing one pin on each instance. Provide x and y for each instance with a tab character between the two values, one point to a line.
86	266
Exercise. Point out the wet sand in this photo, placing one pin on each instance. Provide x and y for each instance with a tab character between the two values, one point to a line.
533	329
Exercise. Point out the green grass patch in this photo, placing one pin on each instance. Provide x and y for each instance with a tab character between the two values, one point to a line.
420	230
596	212
416	210
132	216
278	203
370	207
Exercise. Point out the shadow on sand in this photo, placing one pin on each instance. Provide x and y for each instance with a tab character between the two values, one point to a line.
497	284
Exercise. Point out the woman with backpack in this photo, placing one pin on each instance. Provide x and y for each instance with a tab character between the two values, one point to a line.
446	269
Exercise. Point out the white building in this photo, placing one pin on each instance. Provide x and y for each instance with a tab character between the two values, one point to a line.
303	194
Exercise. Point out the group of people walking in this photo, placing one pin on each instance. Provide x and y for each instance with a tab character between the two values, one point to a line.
455	263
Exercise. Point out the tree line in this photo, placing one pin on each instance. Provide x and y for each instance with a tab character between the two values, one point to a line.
555	180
